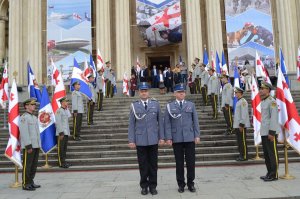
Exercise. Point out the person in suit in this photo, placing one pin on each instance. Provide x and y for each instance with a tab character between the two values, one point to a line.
169	80
77	110
144	74
145	132
182	132
30	143
154	77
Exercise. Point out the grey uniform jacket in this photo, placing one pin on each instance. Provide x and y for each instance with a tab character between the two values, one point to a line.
62	121
269	117
106	72
99	83
227	95
196	72
145	126
93	91
181	124
29	131
204	78
77	102
241	114
213	85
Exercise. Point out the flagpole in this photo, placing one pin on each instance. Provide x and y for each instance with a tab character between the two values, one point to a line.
4	116
46	166
16	184
286	175
256	154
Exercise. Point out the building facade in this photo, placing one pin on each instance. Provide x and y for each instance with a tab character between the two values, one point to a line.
23	32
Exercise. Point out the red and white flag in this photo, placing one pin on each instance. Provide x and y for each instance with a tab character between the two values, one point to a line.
298	65
59	91
4	88
260	69
125	84
100	62
256	111
213	61
13	149
87	71
138	64
288	116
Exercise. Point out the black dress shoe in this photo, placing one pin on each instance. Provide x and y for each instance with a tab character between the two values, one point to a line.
263	177
180	189
153	191
239	159
269	179
28	188
35	186
192	189
77	139
144	191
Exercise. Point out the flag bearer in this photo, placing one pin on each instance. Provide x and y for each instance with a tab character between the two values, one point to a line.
182	132
99	89
30	143
145	132
107	79
213	86
240	124
269	130
204	82
62	131
196	76
227	94
91	102
77	110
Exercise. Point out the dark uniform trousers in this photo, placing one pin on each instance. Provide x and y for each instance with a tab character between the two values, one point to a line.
192	88
77	122
214	104
271	156
147	158
30	163
111	92
100	100
90	113
197	85
185	151
107	88
228	117
242	143
62	150
204	94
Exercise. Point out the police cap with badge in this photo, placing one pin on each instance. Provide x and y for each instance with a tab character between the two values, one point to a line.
144	86
179	87
31	101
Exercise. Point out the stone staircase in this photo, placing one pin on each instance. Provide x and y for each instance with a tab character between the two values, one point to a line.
104	145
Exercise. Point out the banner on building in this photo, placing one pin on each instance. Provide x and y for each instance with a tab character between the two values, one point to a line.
249	29
159	21
68	34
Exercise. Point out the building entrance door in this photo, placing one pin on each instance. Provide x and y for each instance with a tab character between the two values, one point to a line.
159	62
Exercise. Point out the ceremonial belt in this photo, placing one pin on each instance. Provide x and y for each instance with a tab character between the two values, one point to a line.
137	117
173	116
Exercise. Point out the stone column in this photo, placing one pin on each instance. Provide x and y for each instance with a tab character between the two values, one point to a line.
194	31
214	26
288	33
123	41
103	33
2	40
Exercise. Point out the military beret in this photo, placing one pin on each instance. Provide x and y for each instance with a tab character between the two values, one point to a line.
224	76
76	82
144	86
179	87
108	62
238	90
32	101
90	75
210	68
64	99
264	84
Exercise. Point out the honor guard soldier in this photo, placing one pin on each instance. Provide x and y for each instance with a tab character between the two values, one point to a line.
213	86
107	79
196	76
227	102
240	124
91	102
77	110
145	132
62	131
204	81
269	130
30	143
182	132
99	83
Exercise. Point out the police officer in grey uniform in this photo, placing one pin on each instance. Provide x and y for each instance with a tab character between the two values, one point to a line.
213	87
204	81
227	102
145	132
240	124
91	102
30	143
77	110
62	132
99	89
182	132
196	76
269	130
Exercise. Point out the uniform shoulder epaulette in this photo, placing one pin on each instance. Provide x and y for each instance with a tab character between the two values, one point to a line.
22	119
153	99
213	77
135	101
271	98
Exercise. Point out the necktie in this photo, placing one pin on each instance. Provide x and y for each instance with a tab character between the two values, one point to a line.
180	103
145	105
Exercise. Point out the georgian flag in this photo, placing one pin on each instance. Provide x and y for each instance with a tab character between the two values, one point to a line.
33	87
288	116
59	86
125	84
138	65
4	88
13	149
46	119
256	111
261	71
100	62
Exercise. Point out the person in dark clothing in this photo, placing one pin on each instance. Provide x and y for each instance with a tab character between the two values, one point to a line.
169	80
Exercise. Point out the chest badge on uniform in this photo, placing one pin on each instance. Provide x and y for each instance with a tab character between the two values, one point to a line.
44	118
